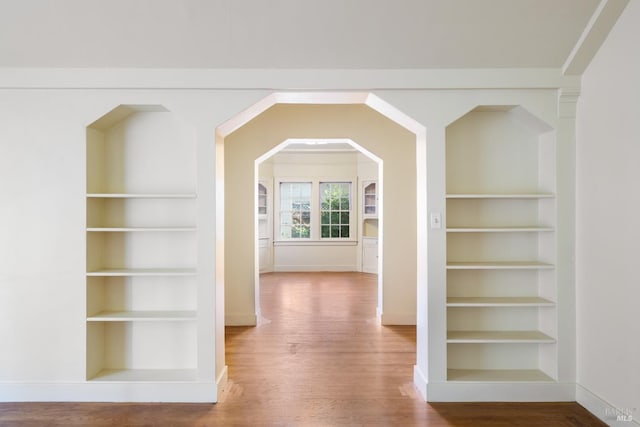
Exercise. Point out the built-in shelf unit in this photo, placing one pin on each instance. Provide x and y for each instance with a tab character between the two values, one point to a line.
370	226
141	259
501	247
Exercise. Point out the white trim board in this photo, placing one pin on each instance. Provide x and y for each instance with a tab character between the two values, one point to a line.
603	410
183	392
500	392
289	79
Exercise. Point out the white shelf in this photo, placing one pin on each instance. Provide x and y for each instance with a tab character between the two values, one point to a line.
499	302
137	229
500	196
142	195
153	316
146	375
498	375
522	229
144	272
484	337
505	265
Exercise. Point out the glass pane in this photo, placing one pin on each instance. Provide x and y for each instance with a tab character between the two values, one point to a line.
285	232
324	218
335	217
335	231
344	203
344	231
344	218
325	231
306	217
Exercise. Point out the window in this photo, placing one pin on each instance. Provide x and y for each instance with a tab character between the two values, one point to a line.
295	210
335	208
315	210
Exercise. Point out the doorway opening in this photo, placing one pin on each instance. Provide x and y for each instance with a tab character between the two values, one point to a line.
318	207
396	139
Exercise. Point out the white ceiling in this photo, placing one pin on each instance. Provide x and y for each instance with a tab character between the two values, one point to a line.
292	33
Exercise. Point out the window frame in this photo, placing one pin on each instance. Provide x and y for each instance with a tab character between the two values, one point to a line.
339	211
315	220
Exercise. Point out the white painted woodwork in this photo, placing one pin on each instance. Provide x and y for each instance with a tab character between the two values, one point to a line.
146	375
148	316
497	375
141	247
136	229
472	337
144	272
498	302
370	255
502	265
520	229
500	219
46	133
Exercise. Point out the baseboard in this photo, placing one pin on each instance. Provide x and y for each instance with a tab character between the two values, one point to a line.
174	392
500	392
239	319
398	318
222	381
312	268
420	381
602	409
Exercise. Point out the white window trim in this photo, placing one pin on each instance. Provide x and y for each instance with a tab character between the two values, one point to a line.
315	238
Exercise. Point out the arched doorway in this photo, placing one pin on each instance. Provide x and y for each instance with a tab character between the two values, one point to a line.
344	113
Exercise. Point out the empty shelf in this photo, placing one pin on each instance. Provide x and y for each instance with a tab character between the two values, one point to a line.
499	196
143	272
498	302
146	375
498	375
470	337
142	195
135	229
521	229
157	316
502	265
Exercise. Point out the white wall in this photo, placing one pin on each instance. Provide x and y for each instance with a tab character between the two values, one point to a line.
42	219
608	222
43	242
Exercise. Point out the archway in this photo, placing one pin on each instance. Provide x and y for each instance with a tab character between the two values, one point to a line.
401	151
327	247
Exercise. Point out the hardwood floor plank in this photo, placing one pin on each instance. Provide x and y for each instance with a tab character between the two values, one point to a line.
317	358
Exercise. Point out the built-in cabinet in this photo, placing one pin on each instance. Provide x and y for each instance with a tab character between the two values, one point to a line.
264	227
370	199
141	256
370	226
501	247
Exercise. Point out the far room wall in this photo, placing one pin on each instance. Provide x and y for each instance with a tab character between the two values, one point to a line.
381	136
348	166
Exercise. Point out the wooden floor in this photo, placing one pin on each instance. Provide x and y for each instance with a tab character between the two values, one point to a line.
317	358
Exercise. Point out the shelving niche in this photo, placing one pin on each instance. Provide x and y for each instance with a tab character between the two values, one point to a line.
501	247
141	247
